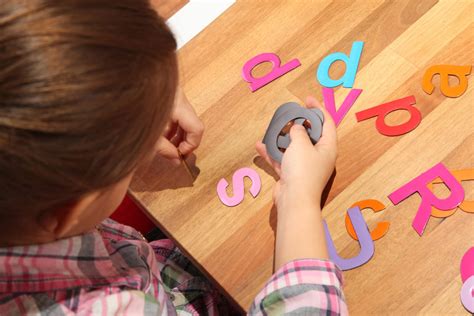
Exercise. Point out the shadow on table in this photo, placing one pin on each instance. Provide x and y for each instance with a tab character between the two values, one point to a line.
264	166
160	174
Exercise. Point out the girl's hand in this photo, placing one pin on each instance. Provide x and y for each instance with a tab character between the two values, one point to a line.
305	168
304	172
183	132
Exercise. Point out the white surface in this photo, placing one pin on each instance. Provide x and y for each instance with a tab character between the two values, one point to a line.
194	17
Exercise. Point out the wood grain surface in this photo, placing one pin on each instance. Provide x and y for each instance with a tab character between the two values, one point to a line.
234	246
166	8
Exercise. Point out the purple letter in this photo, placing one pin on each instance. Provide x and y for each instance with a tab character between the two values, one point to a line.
365	241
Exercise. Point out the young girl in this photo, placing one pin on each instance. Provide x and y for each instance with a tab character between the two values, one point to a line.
87	89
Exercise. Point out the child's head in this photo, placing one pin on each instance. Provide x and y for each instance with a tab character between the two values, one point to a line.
86	87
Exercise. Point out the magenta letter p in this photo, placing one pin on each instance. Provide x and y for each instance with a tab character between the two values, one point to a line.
277	70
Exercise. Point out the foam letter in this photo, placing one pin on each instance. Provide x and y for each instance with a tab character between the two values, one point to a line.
329	103
366	243
466	206
276	72
467	264
428	199
444	71
238	183
467	276
376	206
382	110
467	294
286	113
352	63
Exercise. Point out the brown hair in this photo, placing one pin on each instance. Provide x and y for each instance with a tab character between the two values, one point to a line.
86	87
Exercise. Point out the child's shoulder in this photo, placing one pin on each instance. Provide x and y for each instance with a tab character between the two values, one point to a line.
97	267
116	231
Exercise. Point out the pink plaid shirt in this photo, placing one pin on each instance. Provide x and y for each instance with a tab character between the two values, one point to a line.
114	271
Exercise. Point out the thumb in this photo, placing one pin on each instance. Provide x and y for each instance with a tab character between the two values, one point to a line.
329	136
299	135
167	150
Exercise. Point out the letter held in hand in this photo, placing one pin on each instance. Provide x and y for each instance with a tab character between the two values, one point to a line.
276	140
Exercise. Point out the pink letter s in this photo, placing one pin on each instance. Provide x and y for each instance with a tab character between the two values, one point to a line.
238	184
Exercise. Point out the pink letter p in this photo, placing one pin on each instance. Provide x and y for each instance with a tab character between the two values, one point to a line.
277	70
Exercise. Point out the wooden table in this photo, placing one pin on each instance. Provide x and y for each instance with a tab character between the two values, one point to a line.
234	246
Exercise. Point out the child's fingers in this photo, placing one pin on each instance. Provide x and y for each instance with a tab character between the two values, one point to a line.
329	135
311	102
167	150
170	130
194	130
262	151
187	119
299	135
178	137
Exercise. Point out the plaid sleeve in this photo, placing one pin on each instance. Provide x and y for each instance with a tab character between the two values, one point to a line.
309	287
120	302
